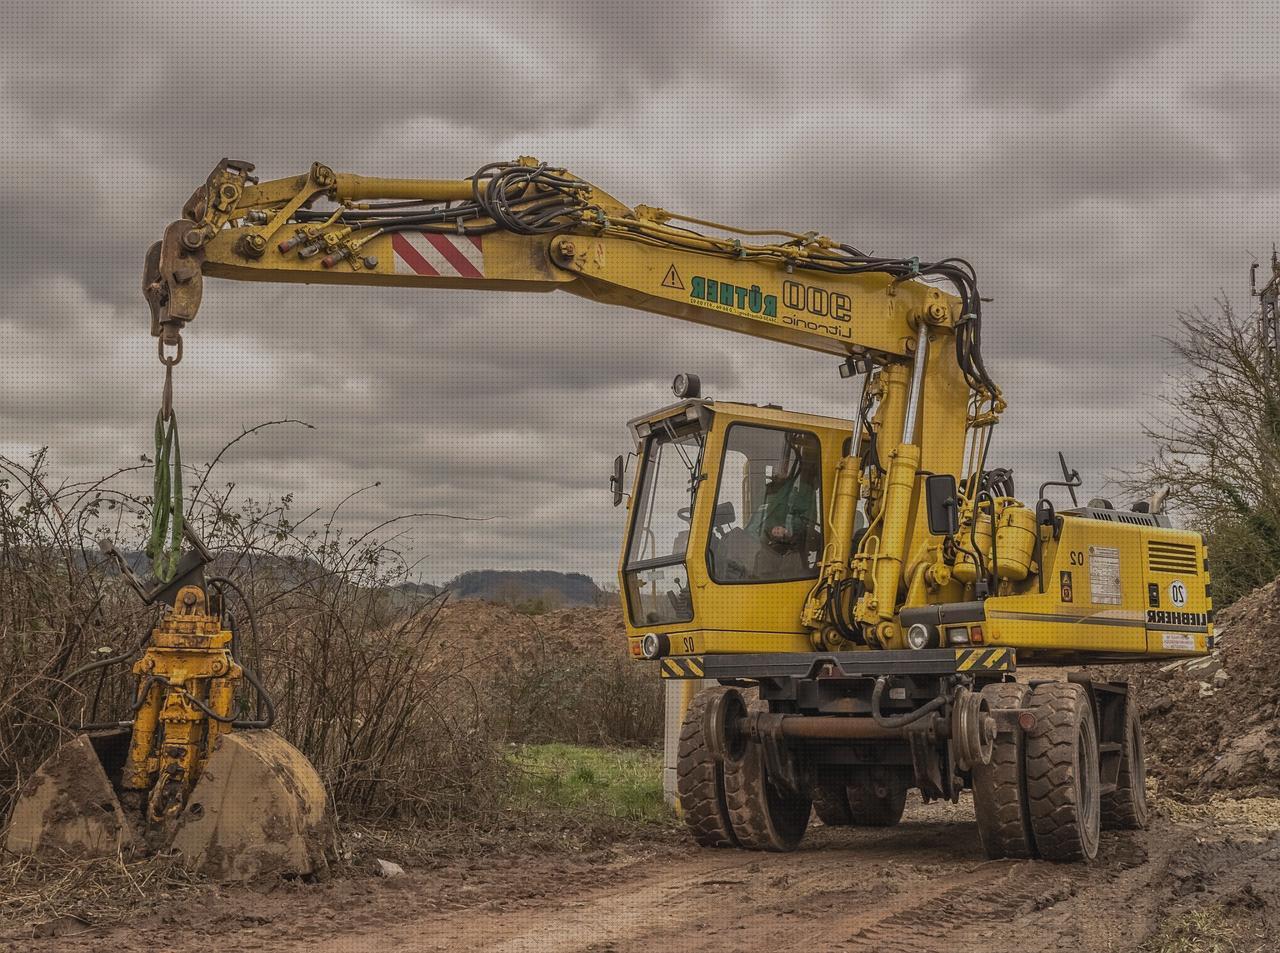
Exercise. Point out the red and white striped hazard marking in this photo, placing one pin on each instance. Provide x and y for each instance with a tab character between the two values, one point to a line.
434	255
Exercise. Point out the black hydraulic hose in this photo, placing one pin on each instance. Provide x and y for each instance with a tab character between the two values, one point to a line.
264	720
265	709
973	526
992	576
899	721
106	662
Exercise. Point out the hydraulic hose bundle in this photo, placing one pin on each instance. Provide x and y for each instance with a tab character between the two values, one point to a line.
537	199
506	196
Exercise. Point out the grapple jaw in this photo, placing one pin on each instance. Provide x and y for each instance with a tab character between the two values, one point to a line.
258	810
68	809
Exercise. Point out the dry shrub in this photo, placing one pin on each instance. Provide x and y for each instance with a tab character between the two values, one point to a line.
579	690
388	716
405	718
55	613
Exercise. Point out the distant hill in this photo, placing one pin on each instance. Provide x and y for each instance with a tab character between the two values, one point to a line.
536	589
551	589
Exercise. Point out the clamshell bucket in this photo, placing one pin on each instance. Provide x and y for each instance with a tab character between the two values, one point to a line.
68	809
191	773
259	809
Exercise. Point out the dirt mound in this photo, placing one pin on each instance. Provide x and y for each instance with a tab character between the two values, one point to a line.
473	626
1213	724
562	675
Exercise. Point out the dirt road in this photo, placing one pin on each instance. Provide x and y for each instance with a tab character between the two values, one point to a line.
922	887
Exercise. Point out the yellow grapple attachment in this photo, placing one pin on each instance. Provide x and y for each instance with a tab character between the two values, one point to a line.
233	800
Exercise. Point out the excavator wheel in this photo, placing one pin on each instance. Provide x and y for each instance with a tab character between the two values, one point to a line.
1000	788
700	782
831	804
877	797
763	816
1063	773
1126	808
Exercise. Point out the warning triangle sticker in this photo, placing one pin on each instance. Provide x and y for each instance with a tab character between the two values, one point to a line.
673	279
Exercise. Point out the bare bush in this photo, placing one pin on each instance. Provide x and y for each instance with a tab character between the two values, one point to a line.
579	688
390	719
1219	447
55	613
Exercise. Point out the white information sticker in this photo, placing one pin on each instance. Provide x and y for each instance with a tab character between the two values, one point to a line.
1104	575
1178	641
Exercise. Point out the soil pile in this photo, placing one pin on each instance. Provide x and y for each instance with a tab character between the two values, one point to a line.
561	675
493	629
1212	725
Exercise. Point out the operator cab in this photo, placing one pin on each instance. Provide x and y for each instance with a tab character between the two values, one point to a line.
725	535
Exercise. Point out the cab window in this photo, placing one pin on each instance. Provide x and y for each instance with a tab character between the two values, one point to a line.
768	518
657	582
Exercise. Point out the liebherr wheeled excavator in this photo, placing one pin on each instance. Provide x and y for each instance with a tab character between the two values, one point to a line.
858	593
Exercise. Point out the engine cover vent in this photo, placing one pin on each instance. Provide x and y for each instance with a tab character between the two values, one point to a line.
1178	558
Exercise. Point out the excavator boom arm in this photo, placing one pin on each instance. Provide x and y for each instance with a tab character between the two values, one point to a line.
523	226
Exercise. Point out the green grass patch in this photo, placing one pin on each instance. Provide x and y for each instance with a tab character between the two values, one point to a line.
624	784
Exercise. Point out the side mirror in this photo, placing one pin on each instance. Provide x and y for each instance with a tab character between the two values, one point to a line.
942	503
615	479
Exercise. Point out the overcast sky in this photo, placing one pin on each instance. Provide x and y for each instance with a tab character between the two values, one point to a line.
1103	164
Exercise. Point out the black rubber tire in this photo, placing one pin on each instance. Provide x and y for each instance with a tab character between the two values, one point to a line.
831	804
1000	788
1126	808
1062	769
763	818
700	779
877	798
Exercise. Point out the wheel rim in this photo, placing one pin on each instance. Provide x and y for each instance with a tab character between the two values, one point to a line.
1138	771
1089	803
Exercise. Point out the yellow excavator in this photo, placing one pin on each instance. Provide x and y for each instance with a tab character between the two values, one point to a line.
856	593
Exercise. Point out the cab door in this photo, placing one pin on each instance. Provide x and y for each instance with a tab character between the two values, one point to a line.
765	523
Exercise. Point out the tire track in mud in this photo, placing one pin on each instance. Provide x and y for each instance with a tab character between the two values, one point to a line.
921	887
1036	907
858	901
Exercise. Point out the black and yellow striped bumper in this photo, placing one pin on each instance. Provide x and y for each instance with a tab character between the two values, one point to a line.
984	660
688	666
995	660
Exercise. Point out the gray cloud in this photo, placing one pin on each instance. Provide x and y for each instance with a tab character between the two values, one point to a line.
1047	56
1101	164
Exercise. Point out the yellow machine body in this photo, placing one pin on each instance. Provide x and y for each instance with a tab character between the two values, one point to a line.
751	530
1085	589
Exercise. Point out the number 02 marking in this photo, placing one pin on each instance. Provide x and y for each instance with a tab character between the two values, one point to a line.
688	644
1077	557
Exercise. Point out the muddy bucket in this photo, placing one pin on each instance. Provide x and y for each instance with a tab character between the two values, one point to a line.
259	809
68	809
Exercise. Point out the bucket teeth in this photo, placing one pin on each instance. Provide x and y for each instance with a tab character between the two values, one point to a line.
68	809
